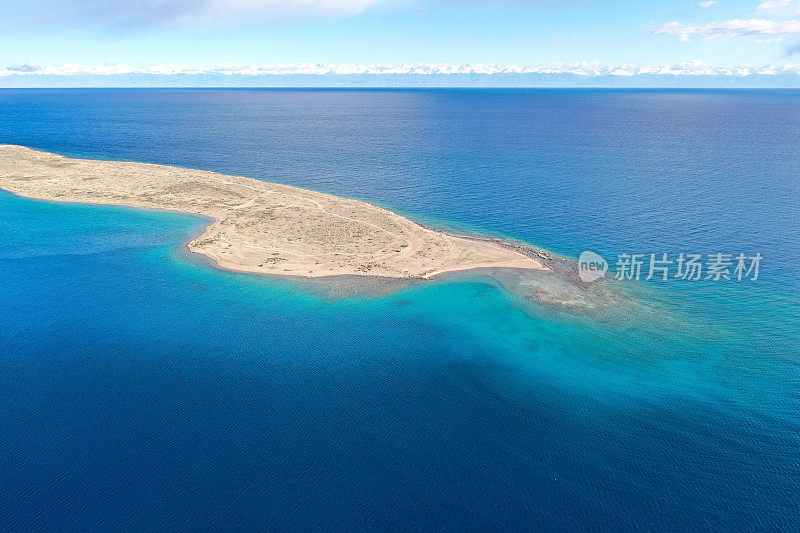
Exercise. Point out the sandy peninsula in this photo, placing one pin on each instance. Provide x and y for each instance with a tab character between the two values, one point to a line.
262	227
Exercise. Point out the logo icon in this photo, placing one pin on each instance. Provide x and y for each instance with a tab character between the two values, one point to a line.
591	266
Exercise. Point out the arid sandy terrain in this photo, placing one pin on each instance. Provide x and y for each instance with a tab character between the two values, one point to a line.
261	227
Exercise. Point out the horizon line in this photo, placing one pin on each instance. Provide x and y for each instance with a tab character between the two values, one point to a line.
403	88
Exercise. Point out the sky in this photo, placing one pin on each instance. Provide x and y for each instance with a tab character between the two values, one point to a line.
212	42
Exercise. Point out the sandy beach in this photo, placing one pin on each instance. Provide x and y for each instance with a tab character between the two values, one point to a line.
262	227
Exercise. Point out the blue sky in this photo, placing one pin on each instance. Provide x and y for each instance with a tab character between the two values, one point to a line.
194	37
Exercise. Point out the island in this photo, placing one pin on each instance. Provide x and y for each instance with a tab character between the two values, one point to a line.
262	227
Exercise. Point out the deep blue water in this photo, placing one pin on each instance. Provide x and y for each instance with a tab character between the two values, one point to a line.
143	390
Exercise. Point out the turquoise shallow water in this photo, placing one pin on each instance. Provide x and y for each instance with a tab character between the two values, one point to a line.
140	388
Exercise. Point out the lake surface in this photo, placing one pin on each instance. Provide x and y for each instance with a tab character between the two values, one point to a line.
142	389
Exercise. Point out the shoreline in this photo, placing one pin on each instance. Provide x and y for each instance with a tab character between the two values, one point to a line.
530	272
206	195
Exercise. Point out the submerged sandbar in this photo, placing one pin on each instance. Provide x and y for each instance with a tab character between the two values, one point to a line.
261	227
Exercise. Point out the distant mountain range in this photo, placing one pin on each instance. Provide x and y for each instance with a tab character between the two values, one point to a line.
688	75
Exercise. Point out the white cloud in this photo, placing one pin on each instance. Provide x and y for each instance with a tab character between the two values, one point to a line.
584	69
154	13
733	27
708	3
775	4
210	10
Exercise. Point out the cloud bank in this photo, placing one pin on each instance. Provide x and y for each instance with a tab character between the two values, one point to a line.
692	68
